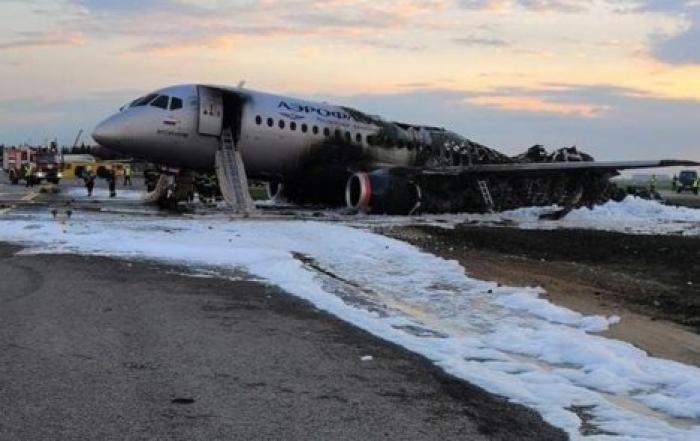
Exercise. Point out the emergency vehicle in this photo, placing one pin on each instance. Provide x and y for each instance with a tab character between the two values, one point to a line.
48	165
686	180
13	159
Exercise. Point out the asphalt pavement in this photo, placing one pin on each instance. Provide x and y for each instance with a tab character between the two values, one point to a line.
93	348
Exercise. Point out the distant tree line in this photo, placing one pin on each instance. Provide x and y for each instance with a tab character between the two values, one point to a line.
77	150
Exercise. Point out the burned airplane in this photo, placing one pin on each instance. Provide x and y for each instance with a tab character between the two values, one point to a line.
317	153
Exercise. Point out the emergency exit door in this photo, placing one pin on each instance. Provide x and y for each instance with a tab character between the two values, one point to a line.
211	111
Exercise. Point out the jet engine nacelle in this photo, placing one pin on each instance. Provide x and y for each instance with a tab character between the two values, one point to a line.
383	193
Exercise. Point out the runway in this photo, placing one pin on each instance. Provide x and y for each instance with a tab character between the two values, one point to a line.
508	340
98	348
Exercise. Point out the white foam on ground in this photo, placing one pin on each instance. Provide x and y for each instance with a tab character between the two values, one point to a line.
632	215
102	194
504	339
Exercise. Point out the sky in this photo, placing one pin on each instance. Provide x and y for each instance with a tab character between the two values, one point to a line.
618	78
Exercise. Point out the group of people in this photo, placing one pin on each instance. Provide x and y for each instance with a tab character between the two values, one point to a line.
110	174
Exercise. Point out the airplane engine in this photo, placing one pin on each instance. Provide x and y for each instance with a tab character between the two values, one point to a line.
383	193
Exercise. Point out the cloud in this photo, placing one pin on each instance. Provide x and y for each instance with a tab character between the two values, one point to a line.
567	6
633	125
539	105
391	45
683	48
166	27
134	7
36	39
481	41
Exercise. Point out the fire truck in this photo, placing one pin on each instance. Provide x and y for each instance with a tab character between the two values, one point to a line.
13	159
48	165
46	161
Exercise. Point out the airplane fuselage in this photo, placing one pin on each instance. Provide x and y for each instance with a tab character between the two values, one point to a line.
331	154
277	135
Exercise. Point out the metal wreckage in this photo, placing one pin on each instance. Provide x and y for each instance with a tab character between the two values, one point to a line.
448	173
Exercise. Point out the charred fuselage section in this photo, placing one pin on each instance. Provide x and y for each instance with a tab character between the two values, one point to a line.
402	169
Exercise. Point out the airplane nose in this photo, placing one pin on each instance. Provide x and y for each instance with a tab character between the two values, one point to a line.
107	133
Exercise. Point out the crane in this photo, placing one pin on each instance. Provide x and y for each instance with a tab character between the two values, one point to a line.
77	138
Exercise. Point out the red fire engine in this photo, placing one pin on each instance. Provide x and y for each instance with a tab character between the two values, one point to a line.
46	163
14	158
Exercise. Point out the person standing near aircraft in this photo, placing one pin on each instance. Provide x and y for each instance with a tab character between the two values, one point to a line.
112	181
696	185
652	184
89	179
29	174
127	176
24	171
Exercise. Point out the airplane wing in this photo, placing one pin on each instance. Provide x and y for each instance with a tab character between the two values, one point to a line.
556	167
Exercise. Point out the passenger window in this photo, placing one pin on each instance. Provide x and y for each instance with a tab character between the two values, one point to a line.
326	131
144	101
161	102
293	126
270	122
358	138
258	120
175	103
348	136
315	130
304	128
281	124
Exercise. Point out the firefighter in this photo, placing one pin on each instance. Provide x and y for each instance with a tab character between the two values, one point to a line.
24	172
112	181
29	174
674	183
127	176
696	185
652	184
89	178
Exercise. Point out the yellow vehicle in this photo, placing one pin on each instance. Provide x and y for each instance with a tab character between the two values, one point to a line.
74	165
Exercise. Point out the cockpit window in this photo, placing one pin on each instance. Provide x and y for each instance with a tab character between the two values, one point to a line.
175	103
143	100
161	101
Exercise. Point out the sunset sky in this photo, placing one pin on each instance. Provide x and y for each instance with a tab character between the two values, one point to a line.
619	78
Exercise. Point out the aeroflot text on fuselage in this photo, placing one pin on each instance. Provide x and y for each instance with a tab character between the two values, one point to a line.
309	109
